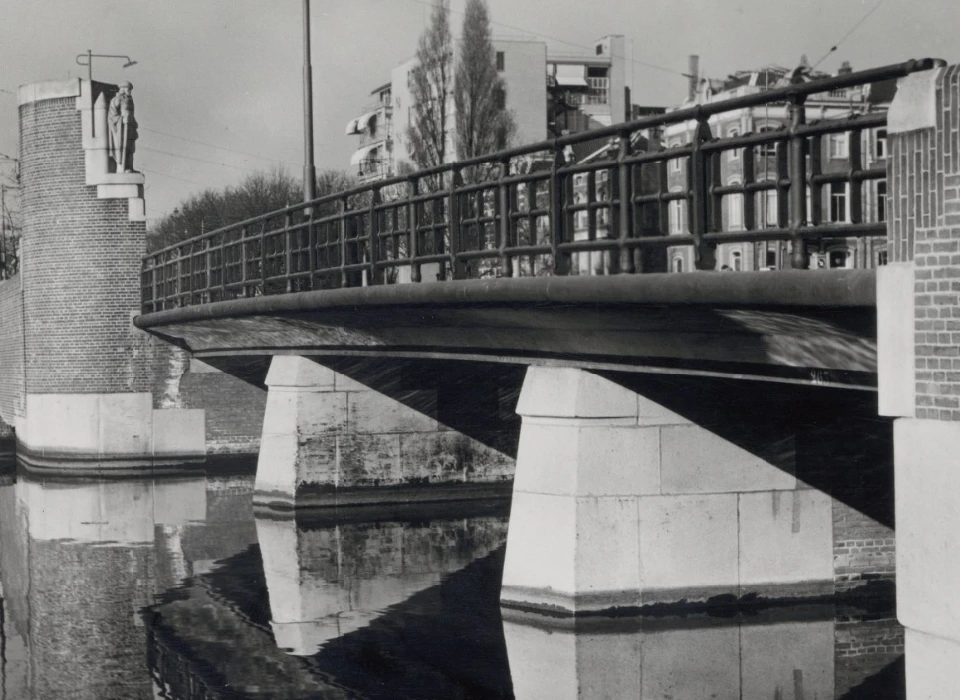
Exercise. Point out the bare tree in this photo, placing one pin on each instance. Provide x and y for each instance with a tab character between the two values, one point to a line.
483	124
260	193
430	87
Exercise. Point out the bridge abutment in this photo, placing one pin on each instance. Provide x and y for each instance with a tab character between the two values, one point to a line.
918	310
329	440
85	396
619	503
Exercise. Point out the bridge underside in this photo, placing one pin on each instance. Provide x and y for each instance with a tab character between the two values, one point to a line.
804	327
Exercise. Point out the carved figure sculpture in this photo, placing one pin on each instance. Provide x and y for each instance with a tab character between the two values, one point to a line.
122	129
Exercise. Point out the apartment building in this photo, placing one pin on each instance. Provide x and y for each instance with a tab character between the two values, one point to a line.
835	206
547	94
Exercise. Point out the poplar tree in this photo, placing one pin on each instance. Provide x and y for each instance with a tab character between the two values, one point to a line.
483	124
430	86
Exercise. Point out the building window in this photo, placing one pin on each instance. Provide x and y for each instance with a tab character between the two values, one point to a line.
598	83
881	258
501	61
767	150
839	258
767	209
882	200
838	202
839	146
599	49
676	165
735	211
881	143
735	152
771	259
678	264
676	216
500	98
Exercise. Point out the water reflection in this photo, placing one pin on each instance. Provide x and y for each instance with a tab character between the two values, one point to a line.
174	589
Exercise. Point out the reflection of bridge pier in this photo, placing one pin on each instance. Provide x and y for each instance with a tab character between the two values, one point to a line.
333	577
791	654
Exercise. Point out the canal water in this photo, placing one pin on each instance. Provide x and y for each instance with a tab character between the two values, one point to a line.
177	588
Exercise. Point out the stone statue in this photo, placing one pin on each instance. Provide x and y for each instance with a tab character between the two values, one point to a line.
122	129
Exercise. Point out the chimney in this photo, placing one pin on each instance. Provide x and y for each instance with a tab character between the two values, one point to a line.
845	68
693	75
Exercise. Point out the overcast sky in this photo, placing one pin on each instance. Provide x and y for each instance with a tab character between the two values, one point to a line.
220	80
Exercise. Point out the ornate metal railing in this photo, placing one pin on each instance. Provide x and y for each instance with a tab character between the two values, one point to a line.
533	210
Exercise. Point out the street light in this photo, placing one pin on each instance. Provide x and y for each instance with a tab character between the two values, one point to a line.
309	171
90	55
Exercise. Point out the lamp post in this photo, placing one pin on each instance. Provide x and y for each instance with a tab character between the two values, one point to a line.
309	171
90	55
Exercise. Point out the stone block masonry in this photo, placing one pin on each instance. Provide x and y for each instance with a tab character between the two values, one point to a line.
329	440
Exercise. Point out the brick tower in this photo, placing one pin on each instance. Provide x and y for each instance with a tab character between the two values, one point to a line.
87	398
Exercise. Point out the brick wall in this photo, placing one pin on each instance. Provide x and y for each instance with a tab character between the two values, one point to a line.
863	549
234	408
11	353
924	175
862	649
81	265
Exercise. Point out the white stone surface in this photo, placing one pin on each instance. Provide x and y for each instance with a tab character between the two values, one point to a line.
573	393
541	543
933	666
896	375
915	104
927	485
688	541
179	431
586	458
785	537
118	191
607	557
89	424
49	90
136	209
372	412
695	460
298	372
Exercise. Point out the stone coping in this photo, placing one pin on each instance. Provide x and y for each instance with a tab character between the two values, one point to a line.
48	90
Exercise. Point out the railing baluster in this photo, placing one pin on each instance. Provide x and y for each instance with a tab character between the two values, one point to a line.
698	205
288	251
263	258
624	192
190	276
374	274
243	261
342	209
798	184
412	242
156	287
457	268
503	199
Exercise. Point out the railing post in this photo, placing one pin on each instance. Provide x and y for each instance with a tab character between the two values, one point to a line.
561	191
457	268
311	247
288	250
190	276
243	262
263	258
503	199
375	275
209	266
624	192
223	267
698	203
179	293
156	286
343	206
413	243
798	184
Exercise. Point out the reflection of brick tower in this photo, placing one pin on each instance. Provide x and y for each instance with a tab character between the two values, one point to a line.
86	375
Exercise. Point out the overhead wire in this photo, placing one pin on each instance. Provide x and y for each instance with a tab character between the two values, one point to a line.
213	145
847	35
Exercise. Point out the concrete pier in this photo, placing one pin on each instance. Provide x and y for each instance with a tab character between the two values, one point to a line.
329	440
619	503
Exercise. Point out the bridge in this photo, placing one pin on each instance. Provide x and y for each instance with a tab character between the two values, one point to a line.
417	334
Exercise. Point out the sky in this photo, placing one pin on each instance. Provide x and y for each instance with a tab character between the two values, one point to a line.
218	83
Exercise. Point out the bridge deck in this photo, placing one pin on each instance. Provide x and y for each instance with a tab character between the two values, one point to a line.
814	327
